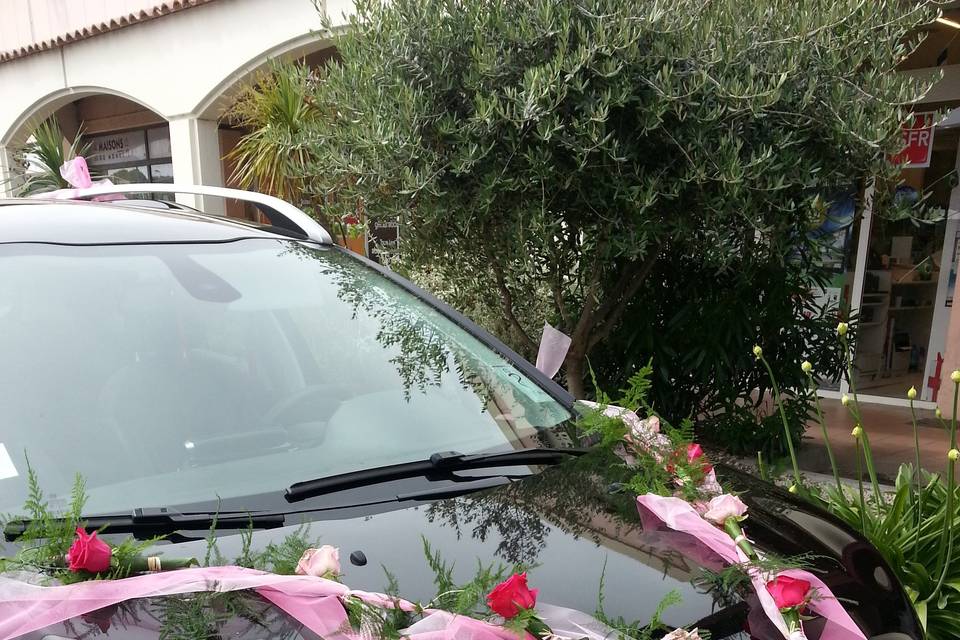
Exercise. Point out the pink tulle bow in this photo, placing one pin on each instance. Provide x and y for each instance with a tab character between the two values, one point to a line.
77	174
314	602
443	625
677	514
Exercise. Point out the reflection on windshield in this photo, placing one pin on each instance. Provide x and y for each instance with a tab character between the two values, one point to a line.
170	374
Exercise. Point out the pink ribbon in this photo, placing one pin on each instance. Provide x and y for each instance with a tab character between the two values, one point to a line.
314	602
679	515
443	625
77	175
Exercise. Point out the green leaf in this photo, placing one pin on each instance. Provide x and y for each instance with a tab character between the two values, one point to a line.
921	609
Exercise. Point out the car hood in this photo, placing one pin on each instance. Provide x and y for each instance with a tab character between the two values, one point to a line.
583	545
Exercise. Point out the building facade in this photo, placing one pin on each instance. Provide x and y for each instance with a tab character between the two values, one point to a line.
149	83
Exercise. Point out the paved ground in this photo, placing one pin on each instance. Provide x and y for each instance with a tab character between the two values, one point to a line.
891	438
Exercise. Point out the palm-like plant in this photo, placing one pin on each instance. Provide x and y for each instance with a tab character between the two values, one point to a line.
276	109
42	156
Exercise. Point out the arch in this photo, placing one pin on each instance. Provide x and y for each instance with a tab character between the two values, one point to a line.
19	130
213	104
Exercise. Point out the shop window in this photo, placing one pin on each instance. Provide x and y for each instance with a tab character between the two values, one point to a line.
137	155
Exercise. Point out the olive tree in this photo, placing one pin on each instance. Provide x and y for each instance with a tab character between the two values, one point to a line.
543	156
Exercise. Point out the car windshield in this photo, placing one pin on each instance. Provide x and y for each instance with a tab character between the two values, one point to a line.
167	374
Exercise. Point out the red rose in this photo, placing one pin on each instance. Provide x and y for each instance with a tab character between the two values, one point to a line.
87	553
511	595
788	592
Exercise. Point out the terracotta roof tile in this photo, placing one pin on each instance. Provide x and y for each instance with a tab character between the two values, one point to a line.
88	31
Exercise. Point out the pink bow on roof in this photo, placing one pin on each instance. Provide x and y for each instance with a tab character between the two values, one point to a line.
77	175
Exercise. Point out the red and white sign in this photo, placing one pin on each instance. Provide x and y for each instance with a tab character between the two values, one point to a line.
917	141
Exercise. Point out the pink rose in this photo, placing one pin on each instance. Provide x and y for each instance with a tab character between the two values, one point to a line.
88	553
511	595
319	562
694	452
788	592
724	507
682	634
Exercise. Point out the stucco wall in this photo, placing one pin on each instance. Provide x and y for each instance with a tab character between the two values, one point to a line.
179	65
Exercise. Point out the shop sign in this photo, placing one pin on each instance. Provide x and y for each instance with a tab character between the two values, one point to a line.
117	148
383	237
917	141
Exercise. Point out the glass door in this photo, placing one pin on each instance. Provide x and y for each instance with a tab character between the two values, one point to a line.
903	311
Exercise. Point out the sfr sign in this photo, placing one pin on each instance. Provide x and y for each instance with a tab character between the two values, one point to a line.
917	141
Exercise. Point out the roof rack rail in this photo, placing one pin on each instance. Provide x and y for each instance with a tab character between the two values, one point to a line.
280	213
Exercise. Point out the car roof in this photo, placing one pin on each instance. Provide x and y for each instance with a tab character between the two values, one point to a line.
118	222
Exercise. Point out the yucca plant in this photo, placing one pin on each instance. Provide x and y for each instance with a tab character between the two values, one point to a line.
276	110
42	156
915	527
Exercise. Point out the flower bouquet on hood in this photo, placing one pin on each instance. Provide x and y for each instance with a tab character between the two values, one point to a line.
676	489
60	546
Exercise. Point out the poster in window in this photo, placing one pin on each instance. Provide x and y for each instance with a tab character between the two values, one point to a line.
117	148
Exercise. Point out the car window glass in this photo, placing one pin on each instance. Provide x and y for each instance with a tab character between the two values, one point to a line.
168	374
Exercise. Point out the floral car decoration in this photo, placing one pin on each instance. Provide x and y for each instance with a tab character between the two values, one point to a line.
94	575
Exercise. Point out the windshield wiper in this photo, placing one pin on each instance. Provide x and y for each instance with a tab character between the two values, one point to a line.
444	462
158	521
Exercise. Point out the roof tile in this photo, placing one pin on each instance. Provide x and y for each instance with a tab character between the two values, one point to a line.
102	26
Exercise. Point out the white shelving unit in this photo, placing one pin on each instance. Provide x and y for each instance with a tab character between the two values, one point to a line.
896	306
874	307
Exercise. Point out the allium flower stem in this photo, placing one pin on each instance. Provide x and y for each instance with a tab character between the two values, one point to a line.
863	500
947	553
826	437
865	440
797	480
918	477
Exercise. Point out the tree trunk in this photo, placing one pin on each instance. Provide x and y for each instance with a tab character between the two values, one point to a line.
575	373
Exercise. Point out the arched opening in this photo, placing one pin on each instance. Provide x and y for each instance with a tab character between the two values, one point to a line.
120	138
125	141
217	105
